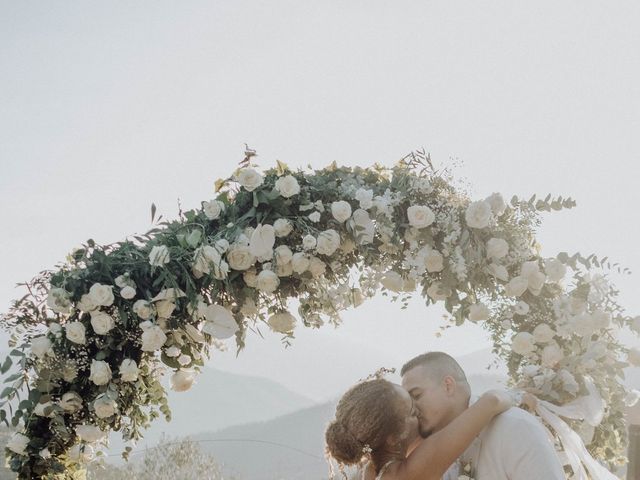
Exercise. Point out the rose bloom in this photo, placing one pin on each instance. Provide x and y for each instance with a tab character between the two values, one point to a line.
182	380
100	372
420	216
249	178
104	407
282	227
516	286
437	292
497	248
328	242
159	256
498	205
263	238
240	257
551	355
153	339
101	322
129	370
365	198
101	294
478	214
212	209
287	186
555	269
143	309
523	343
317	267
41	347
300	262
267	281
76	333
479	312
392	281
434	261
282	322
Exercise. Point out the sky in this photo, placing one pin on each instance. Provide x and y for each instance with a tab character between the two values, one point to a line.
107	107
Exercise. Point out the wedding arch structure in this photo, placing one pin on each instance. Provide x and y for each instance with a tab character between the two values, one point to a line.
92	338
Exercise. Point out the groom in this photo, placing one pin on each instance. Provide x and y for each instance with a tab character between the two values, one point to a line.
514	446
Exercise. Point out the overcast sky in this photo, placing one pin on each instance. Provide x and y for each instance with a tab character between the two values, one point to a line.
106	107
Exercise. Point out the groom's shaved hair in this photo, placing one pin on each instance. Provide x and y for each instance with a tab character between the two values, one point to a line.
439	364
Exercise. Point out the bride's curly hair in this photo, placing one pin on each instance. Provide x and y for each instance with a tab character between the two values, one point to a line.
366	415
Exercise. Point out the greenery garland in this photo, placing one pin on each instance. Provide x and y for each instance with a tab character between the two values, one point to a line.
92	338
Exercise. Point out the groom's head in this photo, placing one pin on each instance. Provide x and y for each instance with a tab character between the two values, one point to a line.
439	389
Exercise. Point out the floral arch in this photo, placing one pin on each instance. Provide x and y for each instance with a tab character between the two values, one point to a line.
92	337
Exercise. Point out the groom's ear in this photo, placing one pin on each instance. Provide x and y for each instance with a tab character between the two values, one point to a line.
450	384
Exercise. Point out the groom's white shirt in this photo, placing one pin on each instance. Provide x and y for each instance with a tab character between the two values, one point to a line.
514	446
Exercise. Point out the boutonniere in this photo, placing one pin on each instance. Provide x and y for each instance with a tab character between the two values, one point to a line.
466	471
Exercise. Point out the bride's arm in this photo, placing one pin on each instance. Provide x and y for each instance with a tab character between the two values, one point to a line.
432	458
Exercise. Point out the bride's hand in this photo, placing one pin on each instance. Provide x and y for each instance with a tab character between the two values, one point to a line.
503	400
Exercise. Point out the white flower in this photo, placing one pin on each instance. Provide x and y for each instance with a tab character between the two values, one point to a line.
71	402
497	248
365	197
287	186
143	309
58	300
535	278
328	242
100	372
262	241
86	303
153	339
601	319
437	292
172	351
165	308
81	453
45	453
282	227
122	281
300	262
582	325
633	357
516	286
249	178
101	322
434	261
128	292
213	209
499	271
55	329
250	278
363	226
314	217
104	406
521	308
309	242
341	211
267	281
420	216
90	433
182	380
283	254
219	322
498	205
531	370
479	312
101	294
41	409
282	322
159	256
207	258
240	257
18	443
556	270
317	267
41	347
523	343
543	333
76	333
392	281
478	214
129	370
551	355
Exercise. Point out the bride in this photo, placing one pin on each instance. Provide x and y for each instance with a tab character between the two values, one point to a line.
377	419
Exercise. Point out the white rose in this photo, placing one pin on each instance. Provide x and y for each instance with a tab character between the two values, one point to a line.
86	303
172	351
45	453
479	312
633	357
365	197
240	257
392	281
328	242
284	269
101	294
249	178
283	254
543	333
317	267
206	258
219	322
314	217
212	209
282	322
434	261
100	372
521	308
58	300
262	240
18	443
478	214
104	407
267	281
516	286
129	370
499	271
222	245
122	281
420	216
583	325
363	227
128	292
309	242
531	370
601	319
523	343
90	433
498	205
556	270
44	409
497	248
143	309
250	278
437	292
153	339
71	402
551	356
165	308
184	360
300	262
287	186
159	256
41	347
101	322
81	453
182	380
341	211
76	333
282	227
